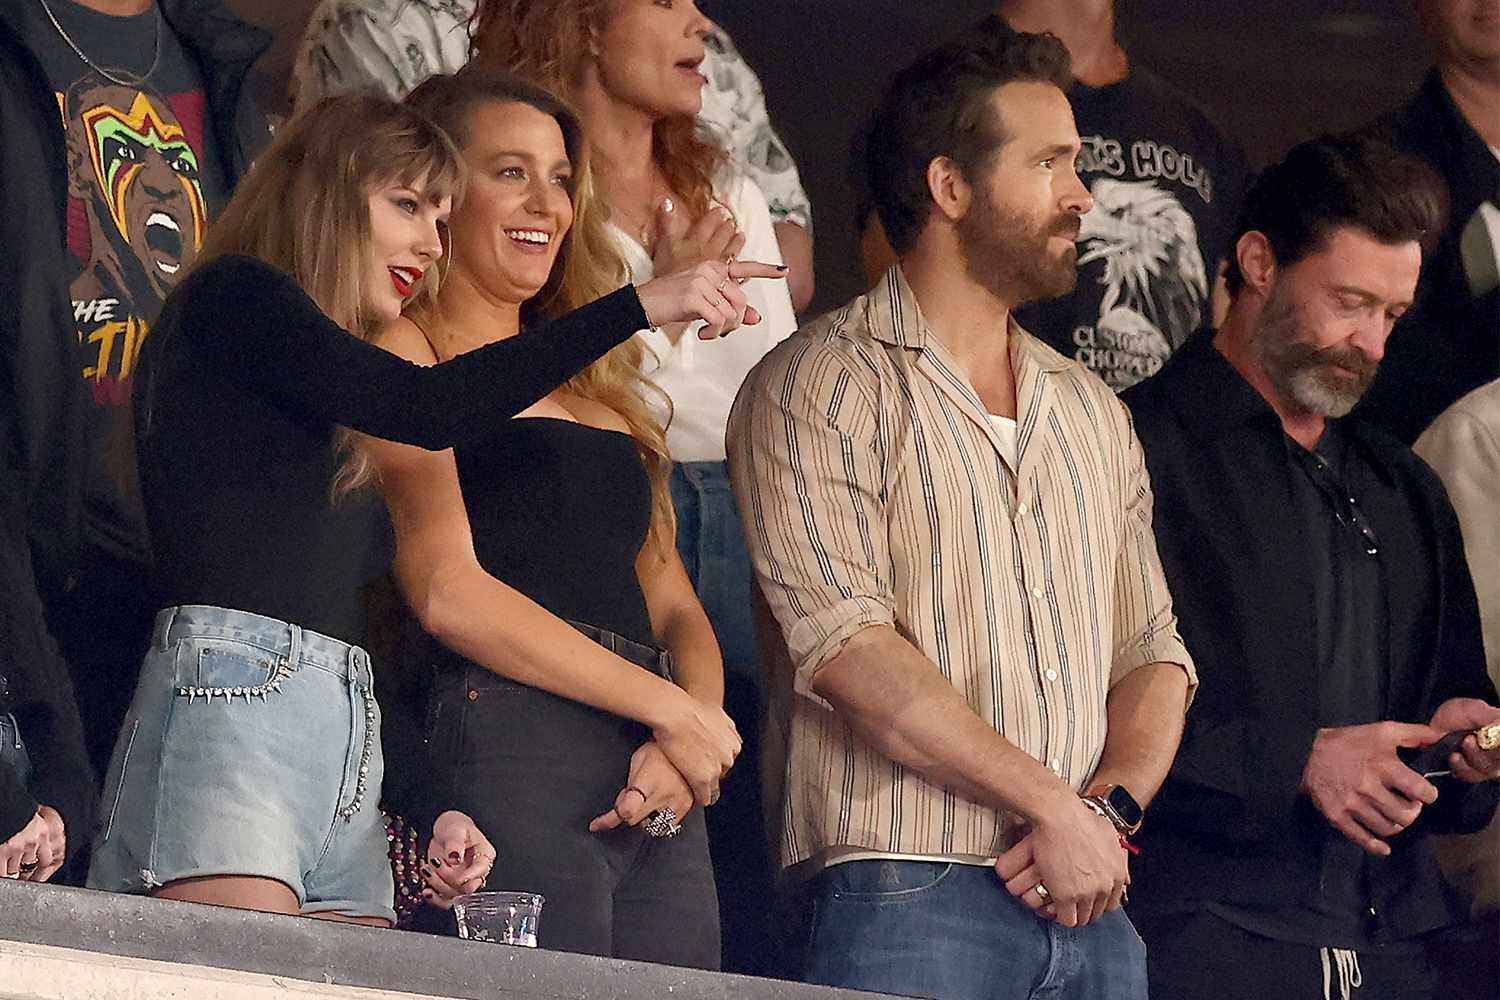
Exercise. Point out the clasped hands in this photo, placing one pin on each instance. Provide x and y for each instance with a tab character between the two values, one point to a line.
37	850
1070	867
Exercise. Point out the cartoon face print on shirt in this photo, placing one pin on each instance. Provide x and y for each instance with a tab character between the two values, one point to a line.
136	174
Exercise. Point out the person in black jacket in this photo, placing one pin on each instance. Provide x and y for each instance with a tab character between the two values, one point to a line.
1320	581
1451	344
105	207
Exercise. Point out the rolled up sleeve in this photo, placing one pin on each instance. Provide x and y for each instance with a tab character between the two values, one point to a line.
807	469
1145	626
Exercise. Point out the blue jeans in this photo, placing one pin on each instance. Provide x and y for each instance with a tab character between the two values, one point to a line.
712	546
938	930
13	749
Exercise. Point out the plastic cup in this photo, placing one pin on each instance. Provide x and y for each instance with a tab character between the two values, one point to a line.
499	917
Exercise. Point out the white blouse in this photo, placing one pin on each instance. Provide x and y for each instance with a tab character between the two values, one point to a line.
702	377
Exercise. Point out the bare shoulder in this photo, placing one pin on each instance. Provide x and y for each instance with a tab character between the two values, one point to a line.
596	414
405	339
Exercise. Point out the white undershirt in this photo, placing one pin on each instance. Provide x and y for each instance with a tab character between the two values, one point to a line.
1006	431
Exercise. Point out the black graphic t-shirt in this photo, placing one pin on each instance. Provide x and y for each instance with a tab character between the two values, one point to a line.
1166	187
143	183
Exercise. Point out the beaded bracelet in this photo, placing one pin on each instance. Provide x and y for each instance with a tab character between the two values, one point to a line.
406	866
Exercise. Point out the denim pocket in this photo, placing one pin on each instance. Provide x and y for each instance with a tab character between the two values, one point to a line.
228	668
885	881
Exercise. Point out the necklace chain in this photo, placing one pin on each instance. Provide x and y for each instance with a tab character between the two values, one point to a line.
645	235
123	81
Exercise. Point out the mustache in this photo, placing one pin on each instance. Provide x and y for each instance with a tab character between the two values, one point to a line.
1066	225
1347	358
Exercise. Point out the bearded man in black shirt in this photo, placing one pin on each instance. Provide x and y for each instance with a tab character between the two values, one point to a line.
1320	581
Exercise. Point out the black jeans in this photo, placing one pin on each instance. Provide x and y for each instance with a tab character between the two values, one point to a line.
533	769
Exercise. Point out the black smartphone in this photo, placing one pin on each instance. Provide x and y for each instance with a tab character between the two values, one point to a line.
1432	761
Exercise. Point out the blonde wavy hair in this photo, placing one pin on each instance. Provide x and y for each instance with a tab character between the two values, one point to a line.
552	43
304	209
588	266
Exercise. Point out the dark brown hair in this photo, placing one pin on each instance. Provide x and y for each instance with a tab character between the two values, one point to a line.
1355	180
939	106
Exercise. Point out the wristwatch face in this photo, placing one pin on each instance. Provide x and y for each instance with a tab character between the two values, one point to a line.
1124	806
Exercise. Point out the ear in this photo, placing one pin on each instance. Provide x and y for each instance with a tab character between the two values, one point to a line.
949	189
1257	261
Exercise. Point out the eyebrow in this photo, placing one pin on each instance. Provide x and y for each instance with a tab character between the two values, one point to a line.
1369	297
564	162
1055	150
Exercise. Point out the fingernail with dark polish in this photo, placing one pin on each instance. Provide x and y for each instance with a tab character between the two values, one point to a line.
426	872
435	862
782	268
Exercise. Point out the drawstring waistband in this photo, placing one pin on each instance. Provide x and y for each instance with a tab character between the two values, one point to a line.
1347	964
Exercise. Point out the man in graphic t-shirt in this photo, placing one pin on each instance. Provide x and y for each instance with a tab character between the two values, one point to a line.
126	123
1166	186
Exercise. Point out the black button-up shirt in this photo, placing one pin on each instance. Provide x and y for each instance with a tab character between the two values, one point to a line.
1294	626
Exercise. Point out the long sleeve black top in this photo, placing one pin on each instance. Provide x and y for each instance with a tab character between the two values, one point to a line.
243	384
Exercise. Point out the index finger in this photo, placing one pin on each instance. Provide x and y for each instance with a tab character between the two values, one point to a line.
756	269
1414	734
1014	861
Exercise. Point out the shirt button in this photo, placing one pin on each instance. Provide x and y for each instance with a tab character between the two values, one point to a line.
1052	675
1021	509
1056	766
473	695
1036	592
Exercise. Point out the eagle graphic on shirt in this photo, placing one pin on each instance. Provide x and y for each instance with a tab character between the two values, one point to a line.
1155	283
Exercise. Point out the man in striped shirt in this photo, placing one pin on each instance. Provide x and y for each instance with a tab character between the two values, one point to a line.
951	524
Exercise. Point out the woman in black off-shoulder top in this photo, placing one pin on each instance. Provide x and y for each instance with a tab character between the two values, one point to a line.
249	769
568	663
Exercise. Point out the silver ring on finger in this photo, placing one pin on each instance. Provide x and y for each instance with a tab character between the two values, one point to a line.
1042	893
27	867
662	823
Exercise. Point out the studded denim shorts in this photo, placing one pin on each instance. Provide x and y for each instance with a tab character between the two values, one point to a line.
252	748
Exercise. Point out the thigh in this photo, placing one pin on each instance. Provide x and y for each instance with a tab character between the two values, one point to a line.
924	930
1405	971
237	785
1199	956
267	895
1106	959
666	909
532	770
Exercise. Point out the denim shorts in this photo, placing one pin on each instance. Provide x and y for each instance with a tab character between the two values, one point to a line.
252	748
13	749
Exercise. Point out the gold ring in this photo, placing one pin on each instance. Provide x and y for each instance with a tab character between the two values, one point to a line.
1042	893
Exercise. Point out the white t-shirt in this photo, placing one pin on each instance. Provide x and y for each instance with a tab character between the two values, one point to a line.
701	377
1006	431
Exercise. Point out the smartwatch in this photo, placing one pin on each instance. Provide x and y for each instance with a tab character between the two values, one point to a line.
1118	806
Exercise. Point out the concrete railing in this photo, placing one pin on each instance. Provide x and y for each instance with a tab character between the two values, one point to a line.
70	944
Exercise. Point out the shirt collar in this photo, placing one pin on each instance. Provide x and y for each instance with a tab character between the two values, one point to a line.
893	317
1213	396
1215	399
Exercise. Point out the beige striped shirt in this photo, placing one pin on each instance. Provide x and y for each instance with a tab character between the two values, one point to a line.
874	491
